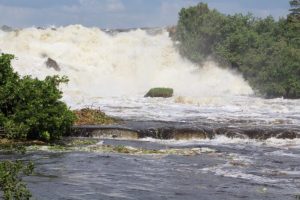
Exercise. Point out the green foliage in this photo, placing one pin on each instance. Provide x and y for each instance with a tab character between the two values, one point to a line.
45	136
265	51
10	179
295	8
121	149
160	92
30	108
198	31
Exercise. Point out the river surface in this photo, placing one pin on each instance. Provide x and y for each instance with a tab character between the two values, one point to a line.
236	169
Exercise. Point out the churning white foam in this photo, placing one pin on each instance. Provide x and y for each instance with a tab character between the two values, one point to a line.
238	143
125	64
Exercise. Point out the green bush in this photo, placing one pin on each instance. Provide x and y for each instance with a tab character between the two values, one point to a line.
160	92
265	51
29	107
11	182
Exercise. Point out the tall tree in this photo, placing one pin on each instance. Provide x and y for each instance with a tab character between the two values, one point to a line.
293	24
295	9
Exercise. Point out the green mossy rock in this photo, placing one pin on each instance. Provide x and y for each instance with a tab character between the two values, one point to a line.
160	92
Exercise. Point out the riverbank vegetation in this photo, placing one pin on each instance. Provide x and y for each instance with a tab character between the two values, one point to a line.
10	179
31	108
266	51
32	113
12	171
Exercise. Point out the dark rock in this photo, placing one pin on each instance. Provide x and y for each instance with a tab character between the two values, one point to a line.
102	131
50	63
6	28
178	131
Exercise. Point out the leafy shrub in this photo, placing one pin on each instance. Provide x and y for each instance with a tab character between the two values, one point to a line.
11	182
29	107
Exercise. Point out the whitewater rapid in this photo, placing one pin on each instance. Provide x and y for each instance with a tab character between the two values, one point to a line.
129	63
114	71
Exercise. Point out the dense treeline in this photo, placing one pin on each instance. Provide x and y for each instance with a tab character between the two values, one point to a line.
31	108
265	51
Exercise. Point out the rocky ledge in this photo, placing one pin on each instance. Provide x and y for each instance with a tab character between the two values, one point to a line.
178	131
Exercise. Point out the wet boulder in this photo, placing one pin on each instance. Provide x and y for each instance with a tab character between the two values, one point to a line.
50	63
160	92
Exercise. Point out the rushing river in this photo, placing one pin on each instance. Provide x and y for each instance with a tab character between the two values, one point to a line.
236	169
113	71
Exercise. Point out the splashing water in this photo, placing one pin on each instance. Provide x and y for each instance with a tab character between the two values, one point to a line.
130	63
114	71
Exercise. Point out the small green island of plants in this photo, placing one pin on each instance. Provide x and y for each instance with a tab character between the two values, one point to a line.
160	92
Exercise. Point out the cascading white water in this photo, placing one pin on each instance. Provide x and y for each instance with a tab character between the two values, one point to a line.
114	71
128	63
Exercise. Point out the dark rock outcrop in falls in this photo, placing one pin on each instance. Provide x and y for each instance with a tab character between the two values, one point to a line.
50	63
6	28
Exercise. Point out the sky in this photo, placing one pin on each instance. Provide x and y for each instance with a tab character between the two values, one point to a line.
122	13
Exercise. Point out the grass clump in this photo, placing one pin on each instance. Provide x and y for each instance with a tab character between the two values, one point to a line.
81	142
89	116
160	92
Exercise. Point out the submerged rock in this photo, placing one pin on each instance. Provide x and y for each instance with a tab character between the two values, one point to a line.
182	131
97	146
50	63
160	92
